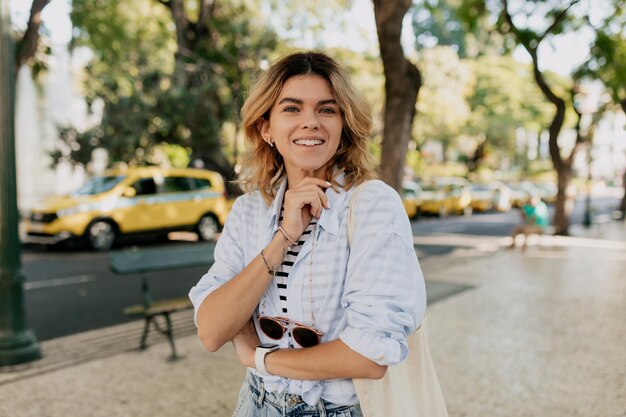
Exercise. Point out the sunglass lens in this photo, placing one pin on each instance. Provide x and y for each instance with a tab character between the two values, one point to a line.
305	337
271	328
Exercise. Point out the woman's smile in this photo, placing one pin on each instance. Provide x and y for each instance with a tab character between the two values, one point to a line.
309	143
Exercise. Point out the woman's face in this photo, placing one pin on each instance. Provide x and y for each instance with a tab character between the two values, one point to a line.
305	124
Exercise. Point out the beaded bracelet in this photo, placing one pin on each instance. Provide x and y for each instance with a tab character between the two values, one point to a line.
272	270
289	239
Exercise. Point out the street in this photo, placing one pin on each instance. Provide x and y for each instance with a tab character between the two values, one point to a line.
69	291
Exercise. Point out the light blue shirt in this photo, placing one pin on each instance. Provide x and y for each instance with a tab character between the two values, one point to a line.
370	295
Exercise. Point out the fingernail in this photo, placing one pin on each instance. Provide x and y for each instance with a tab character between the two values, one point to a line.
329	184
327	204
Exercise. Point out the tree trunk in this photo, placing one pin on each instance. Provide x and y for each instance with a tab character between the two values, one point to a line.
402	84
562	166
563	171
27	46
564	204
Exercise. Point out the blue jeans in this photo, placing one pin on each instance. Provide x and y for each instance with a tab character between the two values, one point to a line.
255	401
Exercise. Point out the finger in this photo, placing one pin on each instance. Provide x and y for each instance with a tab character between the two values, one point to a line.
320	193
303	198
315	181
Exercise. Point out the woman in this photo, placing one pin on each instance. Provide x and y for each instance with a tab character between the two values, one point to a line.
285	277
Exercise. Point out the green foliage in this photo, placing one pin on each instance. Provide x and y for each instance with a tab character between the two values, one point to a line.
155	93
504	98
462	24
442	109
307	21
607	59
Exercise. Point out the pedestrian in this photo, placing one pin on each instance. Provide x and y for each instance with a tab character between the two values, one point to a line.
305	309
535	220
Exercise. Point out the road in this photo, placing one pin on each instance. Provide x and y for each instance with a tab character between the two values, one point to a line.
72	290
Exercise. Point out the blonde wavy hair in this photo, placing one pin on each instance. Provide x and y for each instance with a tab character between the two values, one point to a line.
263	167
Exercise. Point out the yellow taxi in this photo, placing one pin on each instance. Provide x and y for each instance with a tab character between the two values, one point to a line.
412	199
446	195
491	196
133	201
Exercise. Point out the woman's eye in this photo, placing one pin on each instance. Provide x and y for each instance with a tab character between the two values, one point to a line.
327	110
290	109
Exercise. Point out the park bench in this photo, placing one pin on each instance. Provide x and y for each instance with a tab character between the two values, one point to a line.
144	261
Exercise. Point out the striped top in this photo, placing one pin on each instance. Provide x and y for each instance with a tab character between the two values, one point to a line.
282	276
370	295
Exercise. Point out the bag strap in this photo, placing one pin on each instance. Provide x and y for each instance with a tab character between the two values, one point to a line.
350	206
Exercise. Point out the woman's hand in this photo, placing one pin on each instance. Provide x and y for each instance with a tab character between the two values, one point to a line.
245	343
302	202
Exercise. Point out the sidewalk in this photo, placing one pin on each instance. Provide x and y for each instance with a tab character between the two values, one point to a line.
539	333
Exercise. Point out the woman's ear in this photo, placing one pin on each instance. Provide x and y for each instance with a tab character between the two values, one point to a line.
264	129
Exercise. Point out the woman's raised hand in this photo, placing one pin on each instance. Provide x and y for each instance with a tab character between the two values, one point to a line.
302	202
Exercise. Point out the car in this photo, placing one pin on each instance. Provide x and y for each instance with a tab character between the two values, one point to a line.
144	200
444	195
411	198
491	196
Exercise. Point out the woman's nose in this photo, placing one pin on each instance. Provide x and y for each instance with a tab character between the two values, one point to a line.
310	120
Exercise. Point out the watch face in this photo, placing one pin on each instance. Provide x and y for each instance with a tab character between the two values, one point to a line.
267	345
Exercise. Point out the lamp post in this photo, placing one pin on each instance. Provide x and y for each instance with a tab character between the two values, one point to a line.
17	343
587	216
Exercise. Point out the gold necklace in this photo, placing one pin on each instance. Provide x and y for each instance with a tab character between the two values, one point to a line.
314	243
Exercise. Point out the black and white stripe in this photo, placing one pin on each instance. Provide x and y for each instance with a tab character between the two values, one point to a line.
281	277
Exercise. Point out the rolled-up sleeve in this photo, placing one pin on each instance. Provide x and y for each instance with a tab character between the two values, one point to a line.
385	296
228	259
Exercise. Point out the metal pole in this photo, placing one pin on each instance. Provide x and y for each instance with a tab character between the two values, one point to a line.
17	343
587	216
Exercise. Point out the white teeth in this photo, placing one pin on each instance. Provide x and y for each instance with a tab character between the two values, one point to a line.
308	142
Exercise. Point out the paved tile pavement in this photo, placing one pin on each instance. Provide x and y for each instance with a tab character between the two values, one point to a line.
538	333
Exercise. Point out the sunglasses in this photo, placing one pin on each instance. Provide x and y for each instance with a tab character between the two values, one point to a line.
275	328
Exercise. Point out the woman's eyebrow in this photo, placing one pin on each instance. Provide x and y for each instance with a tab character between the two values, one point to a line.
291	100
301	102
327	101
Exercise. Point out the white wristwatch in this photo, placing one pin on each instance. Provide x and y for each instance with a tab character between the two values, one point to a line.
259	356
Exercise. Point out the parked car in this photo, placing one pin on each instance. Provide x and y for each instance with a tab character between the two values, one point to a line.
491	196
412	198
133	201
446	195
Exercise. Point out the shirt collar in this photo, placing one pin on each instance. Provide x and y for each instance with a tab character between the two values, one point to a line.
274	212
329	220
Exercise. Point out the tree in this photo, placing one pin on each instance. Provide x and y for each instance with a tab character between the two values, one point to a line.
504	98
461	24
160	85
442	109
402	84
607	58
26	46
531	40
607	63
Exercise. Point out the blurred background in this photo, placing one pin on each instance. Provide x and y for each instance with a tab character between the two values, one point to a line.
111	84
127	129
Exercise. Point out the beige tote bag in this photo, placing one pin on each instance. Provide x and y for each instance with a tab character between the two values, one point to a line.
410	388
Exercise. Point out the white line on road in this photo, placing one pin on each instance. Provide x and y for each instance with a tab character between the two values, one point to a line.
57	282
